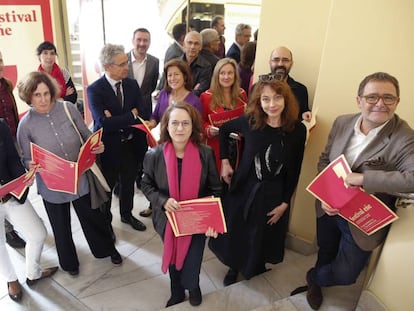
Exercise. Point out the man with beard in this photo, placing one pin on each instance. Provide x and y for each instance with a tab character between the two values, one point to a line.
281	62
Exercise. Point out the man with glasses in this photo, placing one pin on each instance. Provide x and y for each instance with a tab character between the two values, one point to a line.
379	147
115	102
281	61
243	34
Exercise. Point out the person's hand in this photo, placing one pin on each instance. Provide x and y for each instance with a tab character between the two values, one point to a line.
107	113
196	87
354	180
70	90
33	165
211	233
213	131
99	149
276	213
307	116
329	210
226	171
151	124
135	112
171	205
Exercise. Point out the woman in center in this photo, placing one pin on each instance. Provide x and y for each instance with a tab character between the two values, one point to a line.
180	168
257	204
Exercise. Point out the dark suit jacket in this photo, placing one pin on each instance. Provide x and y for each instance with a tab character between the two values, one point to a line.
154	182
387	164
148	84
201	73
102	97
234	52
10	165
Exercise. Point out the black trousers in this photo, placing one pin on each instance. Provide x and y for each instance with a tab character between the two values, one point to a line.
125	174
93	225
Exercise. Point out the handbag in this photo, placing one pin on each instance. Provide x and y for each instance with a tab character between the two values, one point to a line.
98	187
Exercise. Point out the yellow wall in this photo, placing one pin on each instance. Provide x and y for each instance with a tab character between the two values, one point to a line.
335	45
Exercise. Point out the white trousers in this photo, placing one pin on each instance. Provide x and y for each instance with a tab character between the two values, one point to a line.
26	221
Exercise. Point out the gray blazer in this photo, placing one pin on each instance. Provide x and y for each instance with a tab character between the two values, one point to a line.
154	182
148	84
387	164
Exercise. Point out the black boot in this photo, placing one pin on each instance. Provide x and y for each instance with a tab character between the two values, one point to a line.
230	277
177	290
195	296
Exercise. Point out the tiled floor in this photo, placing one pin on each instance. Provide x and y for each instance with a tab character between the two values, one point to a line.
140	285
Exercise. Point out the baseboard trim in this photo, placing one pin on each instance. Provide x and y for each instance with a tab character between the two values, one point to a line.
300	246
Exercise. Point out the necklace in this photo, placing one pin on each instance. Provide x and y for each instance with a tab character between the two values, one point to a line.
175	98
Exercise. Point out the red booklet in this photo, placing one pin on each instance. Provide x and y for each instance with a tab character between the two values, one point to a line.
17	186
195	216
363	210
62	175
152	142
218	119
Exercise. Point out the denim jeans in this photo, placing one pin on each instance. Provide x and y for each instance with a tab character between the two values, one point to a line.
340	260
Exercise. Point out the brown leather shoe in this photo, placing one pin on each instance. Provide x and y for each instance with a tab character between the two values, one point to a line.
48	272
314	294
15	290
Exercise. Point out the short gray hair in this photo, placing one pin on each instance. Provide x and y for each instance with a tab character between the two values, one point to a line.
240	28
194	33
108	53
208	35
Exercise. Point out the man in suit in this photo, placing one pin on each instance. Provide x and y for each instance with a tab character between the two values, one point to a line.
211	41
144	68
379	147
243	33
10	115
200	68
115	102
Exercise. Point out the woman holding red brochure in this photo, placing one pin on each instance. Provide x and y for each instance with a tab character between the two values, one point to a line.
47	125
257	204
225	94
180	168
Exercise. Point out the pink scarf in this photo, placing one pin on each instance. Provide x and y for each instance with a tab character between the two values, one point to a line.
176	248
58	75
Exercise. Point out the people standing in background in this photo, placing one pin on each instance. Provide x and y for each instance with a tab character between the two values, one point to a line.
25	218
144	68
46	52
181	168
257	204
379	147
47	125
200	68
245	67
224	94
10	115
243	33
115	101
281	62
217	23
210	40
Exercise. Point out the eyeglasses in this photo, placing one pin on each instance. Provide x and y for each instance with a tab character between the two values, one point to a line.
387	99
176	124
270	77
121	64
284	60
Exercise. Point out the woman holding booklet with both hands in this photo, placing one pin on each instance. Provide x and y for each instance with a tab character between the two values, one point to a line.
48	125
180	168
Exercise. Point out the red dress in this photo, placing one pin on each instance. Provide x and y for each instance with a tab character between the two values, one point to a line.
213	141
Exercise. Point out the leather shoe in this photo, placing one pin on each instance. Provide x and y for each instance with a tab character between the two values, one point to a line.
146	212
13	239
45	274
195	296
299	290
116	258
230	277
314	294
135	223
73	272
19	294
175	299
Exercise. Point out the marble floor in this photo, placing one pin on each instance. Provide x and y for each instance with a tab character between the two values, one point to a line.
139	284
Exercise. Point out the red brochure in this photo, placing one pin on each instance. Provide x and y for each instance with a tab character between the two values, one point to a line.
152	142
363	210
195	216
62	175
218	119
17	186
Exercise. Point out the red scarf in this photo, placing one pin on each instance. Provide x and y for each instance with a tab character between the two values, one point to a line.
58	75
176	248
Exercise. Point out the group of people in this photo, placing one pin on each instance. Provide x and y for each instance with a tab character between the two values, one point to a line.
195	158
